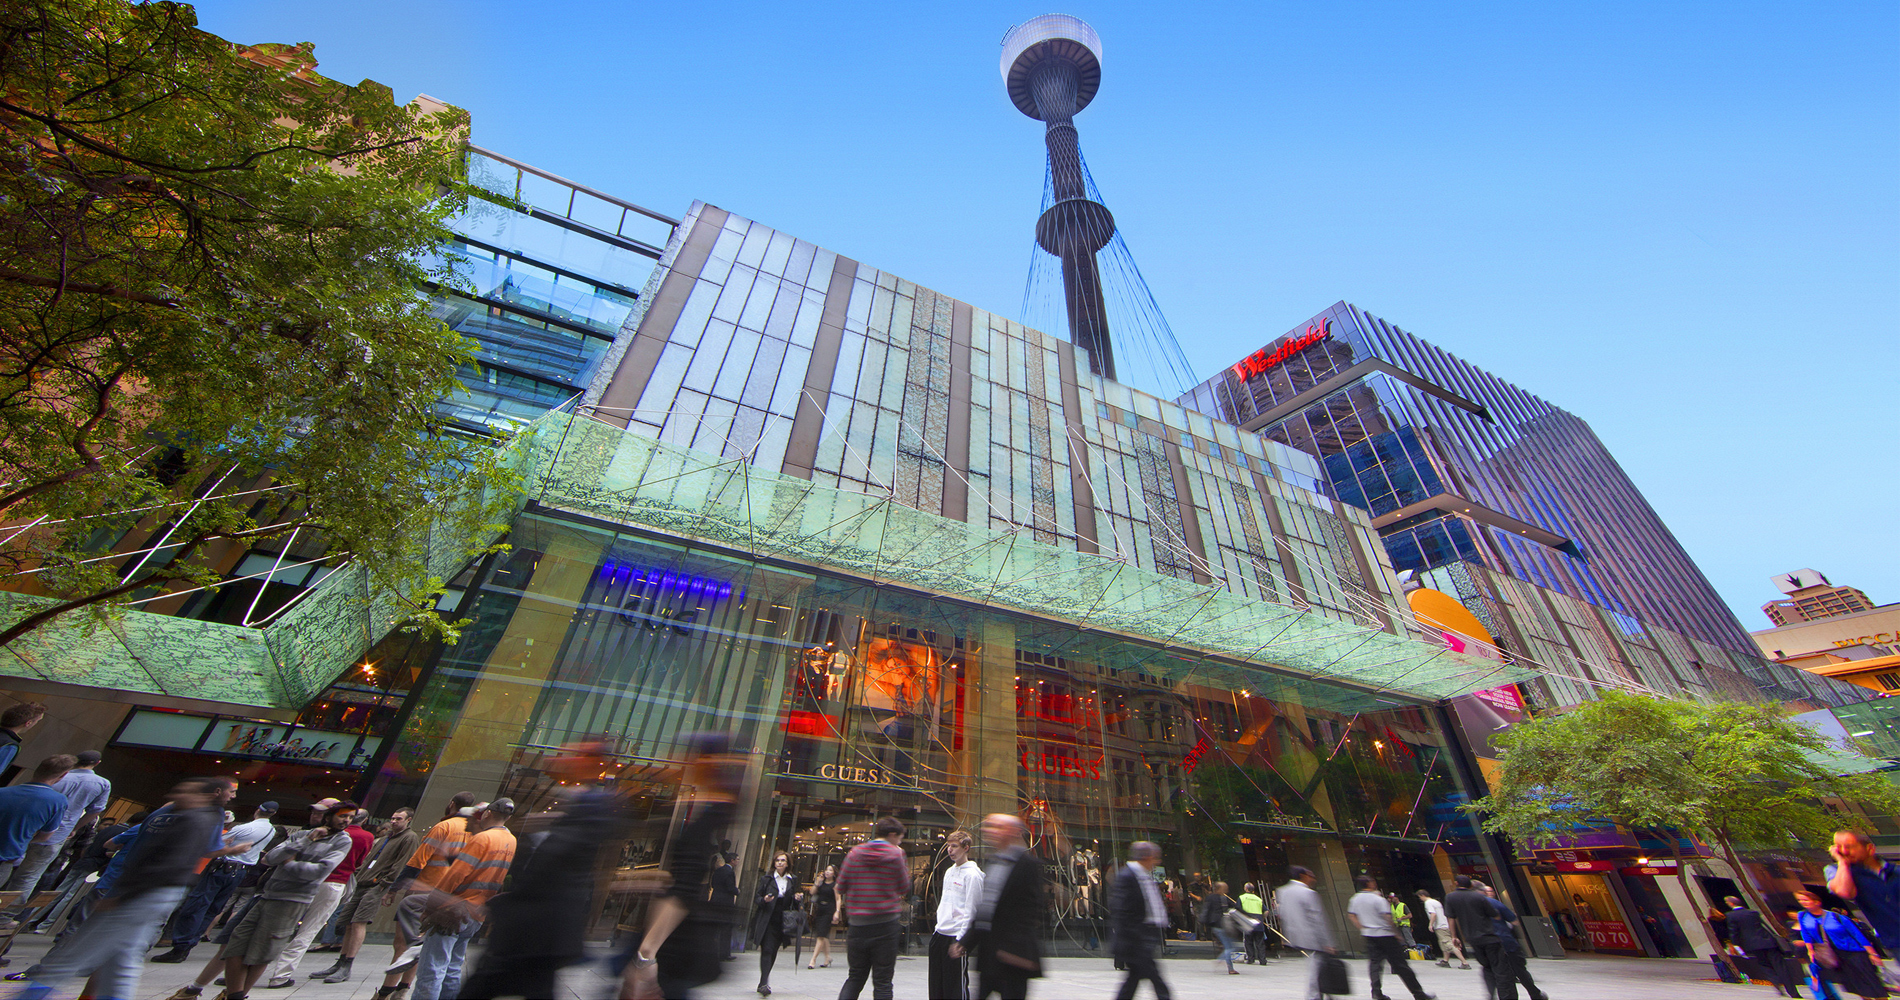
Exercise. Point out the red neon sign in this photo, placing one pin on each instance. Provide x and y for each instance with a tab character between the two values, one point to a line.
1262	361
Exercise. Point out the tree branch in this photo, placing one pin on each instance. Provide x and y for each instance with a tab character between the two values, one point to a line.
22	278
41	617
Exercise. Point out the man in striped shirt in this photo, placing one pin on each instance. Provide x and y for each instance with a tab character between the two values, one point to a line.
452	911
872	884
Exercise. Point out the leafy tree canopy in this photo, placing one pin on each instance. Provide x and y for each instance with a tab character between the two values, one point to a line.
211	281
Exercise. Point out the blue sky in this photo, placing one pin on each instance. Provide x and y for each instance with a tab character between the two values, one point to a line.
1680	221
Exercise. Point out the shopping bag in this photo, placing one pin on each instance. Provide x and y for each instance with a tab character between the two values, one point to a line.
1332	975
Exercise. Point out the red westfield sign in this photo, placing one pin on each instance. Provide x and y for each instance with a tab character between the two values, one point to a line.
1262	360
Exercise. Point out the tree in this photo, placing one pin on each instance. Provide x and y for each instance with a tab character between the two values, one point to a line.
213	325
1723	773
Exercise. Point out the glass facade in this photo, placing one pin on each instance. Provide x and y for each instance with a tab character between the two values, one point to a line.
859	700
1492	494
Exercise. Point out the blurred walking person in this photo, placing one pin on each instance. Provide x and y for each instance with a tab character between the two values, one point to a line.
1372	914
686	931
1215	905
1005	934
1747	931
872	884
1441	930
962	891
1303	923
1839	954
1138	920
1513	965
112	944
217	882
1474	921
387	856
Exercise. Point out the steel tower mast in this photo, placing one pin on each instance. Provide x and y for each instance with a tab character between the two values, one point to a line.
1052	67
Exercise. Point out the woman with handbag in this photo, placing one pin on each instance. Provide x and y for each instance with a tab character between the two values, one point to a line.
778	895
1838	954
824	906
1215	905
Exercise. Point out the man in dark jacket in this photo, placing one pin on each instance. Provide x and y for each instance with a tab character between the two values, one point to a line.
1004	936
112	944
725	894
1748	932
1137	919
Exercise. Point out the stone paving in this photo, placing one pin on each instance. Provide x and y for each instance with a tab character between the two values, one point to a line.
1583	977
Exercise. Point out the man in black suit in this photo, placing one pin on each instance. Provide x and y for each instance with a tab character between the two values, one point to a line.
1749	933
725	894
1004	935
1137	919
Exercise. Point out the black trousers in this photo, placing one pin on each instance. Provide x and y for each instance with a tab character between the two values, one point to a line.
871	951
1002	980
769	945
529	978
1141	965
1780	969
947	978
1500	977
1387	950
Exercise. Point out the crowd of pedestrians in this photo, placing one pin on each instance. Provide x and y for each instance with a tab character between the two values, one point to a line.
263	895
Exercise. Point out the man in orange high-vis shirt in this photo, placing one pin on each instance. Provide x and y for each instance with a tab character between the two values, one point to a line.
453	910
419	876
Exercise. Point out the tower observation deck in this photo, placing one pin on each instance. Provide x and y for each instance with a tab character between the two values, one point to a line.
1052	67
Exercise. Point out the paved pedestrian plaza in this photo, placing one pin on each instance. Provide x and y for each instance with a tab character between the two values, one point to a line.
1575	978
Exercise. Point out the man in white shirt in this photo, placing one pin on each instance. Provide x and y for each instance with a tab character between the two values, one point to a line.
962	890
1441	929
1369	911
1138	920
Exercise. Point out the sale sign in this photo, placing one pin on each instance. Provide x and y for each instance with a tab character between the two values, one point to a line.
1611	935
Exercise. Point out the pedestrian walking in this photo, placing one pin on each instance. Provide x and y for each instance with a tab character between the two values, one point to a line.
218	881
686	931
452	912
14	722
824	909
725	891
329	894
962	891
1005	934
872	884
1138	920
776	894
1474	922
1254	942
1215	905
300	867
87	795
112	944
1303	923
1514	967
380	870
537	927
1372	914
30	813
1748	931
1861	877
1441	930
1838	953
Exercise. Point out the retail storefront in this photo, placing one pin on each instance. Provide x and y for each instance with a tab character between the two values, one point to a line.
860	701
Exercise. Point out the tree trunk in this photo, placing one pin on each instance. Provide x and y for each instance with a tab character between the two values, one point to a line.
1749	890
1682	879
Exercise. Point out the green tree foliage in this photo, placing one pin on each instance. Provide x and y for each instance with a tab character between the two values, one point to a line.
211	281
1724	773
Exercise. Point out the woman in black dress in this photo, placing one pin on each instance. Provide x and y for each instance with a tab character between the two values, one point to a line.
686	933
824	906
777	894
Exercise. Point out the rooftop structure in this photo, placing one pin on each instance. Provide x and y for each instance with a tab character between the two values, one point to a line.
1811	598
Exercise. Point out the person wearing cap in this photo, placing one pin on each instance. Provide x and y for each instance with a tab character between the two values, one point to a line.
453	910
87	795
301	865
218	881
329	895
386	860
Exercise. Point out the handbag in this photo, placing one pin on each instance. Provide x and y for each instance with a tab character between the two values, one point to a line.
792	922
1332	975
1824	954
1237	923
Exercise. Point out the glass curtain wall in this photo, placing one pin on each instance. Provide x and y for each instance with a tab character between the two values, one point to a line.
858	701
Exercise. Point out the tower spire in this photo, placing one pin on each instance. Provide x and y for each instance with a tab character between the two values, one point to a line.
1052	67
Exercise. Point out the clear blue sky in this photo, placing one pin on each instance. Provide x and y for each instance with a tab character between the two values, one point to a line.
1680	221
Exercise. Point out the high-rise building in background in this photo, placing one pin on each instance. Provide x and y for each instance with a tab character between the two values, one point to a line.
1810	597
1512	505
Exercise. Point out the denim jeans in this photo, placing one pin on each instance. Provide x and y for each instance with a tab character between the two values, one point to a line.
1227	950
439	966
111	945
202	904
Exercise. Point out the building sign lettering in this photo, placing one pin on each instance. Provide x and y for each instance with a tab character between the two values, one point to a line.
1262	361
1193	758
1060	763
863	776
245	738
1877	639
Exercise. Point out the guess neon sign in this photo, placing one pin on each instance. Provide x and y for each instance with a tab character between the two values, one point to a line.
1263	361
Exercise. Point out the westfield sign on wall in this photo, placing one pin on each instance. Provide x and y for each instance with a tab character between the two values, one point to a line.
1270	357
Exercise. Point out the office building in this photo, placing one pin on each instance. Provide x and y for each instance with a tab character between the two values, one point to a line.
1810	597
